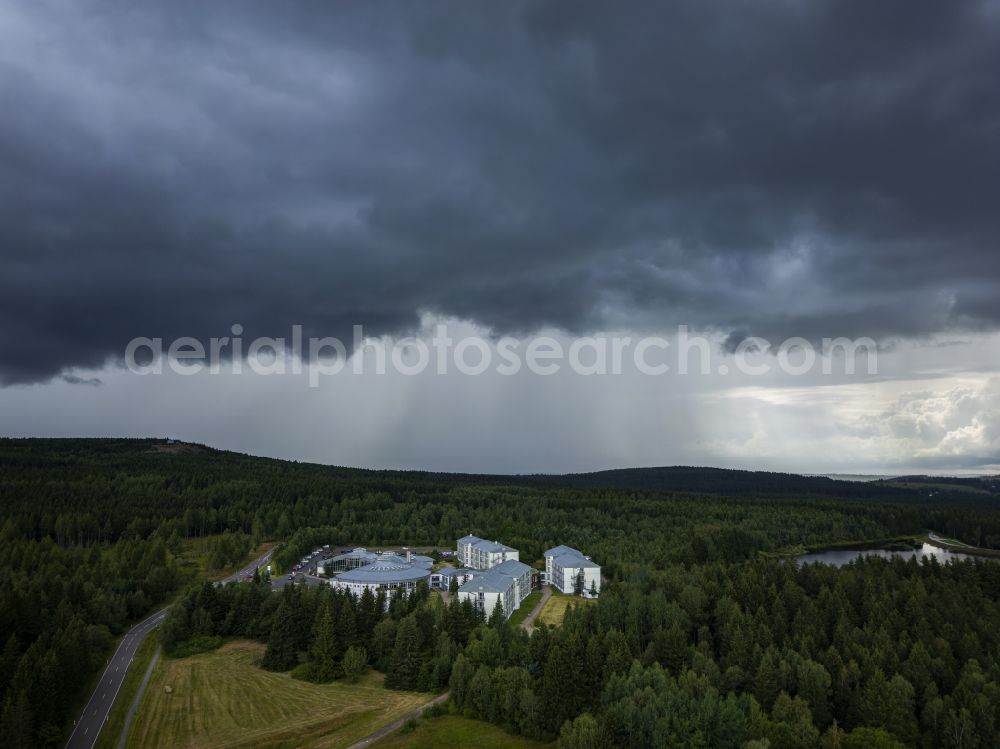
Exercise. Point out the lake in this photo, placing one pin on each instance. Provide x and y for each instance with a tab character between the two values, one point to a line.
840	557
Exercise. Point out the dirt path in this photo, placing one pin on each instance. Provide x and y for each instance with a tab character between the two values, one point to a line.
130	715
529	620
396	724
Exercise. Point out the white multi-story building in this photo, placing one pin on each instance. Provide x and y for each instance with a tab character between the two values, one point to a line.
479	554
463	550
508	583
443	577
564	567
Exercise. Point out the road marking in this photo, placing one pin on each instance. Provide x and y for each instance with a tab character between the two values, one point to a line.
142	628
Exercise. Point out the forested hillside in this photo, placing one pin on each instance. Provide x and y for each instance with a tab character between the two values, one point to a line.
699	640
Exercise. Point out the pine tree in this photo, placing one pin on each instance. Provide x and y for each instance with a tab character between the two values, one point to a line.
814	687
873	706
765	683
497	618
8	664
618	659
282	650
558	688
16	723
324	652
367	615
404	663
675	652
792	724
889	703
345	624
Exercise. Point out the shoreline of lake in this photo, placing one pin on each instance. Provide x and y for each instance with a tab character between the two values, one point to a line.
840	557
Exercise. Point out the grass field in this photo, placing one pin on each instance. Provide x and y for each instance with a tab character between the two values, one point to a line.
220	700
526	606
193	559
555	609
456	732
950	541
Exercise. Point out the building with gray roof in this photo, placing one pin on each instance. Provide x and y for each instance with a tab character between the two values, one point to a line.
569	571
389	572
421	559
506	584
349	560
480	554
442	578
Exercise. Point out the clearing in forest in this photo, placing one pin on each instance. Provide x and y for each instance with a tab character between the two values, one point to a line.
221	700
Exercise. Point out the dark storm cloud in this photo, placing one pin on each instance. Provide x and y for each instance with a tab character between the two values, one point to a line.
783	168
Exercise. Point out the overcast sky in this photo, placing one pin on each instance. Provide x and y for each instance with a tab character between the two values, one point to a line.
774	168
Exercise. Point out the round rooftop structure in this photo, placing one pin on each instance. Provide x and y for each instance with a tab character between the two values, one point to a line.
388	571
349	560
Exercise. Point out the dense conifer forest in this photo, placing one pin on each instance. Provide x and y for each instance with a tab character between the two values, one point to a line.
703	637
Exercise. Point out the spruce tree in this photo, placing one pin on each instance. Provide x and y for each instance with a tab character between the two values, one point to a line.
618	658
345	624
497	618
282	651
8	664
16	723
368	615
557	688
765	683
404	662
323	654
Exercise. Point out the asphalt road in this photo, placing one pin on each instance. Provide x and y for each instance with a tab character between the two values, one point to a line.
134	707
247	571
280	581
88	726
